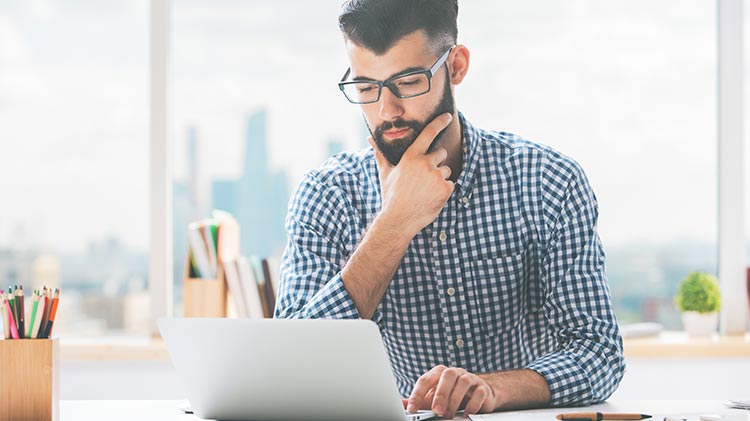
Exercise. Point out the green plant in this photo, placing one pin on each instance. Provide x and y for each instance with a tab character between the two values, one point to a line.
699	292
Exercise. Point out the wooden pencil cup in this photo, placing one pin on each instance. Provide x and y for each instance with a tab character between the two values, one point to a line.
30	379
205	297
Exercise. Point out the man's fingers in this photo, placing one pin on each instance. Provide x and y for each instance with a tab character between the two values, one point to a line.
445	171
426	383
438	156
478	396
429	133
463	383
444	388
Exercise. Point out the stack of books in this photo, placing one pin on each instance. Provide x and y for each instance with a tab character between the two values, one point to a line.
215	242
252	285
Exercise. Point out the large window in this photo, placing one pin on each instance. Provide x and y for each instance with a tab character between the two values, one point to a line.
627	88
255	107
73	159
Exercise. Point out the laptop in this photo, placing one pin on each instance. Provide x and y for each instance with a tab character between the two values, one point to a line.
269	369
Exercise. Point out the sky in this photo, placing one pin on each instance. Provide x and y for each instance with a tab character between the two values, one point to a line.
626	87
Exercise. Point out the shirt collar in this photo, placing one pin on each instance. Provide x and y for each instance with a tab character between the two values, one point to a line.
471	138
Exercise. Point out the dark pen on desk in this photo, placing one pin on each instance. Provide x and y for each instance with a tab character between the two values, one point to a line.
599	416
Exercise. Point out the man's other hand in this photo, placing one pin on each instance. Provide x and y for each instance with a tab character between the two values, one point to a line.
445	390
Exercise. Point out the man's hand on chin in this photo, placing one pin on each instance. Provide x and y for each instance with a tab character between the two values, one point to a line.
445	390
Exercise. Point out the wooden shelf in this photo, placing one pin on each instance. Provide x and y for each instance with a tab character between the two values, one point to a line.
113	349
678	344
666	345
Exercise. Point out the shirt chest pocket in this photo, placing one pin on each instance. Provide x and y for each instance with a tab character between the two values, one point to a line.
497	293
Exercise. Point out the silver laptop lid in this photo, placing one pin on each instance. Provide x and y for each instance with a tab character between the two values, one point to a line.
266	369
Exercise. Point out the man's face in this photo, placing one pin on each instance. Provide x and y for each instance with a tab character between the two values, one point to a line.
396	122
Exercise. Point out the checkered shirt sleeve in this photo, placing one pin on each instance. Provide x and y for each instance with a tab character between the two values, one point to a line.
588	363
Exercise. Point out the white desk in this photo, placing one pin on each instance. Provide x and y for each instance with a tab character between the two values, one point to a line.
167	410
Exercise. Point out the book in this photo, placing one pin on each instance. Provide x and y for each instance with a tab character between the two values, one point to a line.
228	251
274	265
231	270
199	250
268	287
255	306
209	232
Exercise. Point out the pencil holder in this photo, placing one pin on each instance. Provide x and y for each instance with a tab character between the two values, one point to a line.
205	297
29	379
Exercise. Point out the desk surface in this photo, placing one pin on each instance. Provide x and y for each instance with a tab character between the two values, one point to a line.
167	410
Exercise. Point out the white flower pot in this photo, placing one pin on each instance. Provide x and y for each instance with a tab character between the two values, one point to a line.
700	324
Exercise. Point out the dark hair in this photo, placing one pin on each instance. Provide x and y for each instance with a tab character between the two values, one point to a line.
378	24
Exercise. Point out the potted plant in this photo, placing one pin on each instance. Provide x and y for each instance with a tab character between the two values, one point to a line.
699	300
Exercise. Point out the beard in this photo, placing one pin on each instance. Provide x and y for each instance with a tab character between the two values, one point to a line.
394	150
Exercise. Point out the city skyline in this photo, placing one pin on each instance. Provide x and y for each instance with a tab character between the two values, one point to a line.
635	105
616	105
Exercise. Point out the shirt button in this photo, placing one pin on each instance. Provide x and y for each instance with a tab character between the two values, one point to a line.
460	343
451	291
443	236
464	200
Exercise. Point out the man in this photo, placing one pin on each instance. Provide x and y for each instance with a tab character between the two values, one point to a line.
474	251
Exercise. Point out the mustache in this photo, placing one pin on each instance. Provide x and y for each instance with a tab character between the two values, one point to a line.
399	123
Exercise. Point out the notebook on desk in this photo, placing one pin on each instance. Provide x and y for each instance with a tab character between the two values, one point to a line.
267	369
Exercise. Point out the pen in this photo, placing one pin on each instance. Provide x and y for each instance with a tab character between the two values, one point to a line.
598	416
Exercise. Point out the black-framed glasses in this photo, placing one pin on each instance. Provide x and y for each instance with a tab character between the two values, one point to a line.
406	85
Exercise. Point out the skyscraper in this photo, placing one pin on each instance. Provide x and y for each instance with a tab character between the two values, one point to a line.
258	199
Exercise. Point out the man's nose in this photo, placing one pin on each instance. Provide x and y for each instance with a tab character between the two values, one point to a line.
390	105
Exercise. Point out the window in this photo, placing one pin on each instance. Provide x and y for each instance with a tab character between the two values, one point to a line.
73	159
631	96
245	136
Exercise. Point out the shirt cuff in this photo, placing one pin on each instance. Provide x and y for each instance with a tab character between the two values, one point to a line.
567	382
333	301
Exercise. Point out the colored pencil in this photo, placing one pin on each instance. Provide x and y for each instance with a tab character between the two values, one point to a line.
39	315
11	320
52	313
4	316
45	315
21	312
34	305
11	301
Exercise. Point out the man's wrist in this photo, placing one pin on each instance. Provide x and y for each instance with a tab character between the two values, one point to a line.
394	228
516	389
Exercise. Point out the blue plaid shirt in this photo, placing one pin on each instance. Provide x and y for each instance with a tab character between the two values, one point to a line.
510	275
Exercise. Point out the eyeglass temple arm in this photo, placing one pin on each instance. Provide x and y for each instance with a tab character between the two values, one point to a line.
346	74
435	67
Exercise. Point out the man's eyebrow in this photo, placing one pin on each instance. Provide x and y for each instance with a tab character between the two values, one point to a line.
407	70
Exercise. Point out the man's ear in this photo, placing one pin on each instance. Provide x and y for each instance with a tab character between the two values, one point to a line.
458	63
